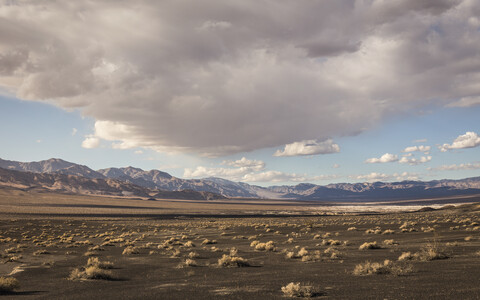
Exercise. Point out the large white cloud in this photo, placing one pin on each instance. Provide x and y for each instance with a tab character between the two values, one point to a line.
220	77
414	161
256	165
309	147
387	157
468	140
420	148
91	142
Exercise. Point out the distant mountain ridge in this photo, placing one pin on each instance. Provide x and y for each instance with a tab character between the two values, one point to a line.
52	165
162	181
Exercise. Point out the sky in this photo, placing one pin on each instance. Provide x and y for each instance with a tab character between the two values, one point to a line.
263	92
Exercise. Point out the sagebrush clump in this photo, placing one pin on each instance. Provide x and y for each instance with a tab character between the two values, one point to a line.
297	290
369	245
94	269
8	284
232	261
387	267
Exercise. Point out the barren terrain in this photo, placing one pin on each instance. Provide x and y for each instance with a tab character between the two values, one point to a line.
74	247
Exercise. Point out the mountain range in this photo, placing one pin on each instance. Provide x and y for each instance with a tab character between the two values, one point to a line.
67	176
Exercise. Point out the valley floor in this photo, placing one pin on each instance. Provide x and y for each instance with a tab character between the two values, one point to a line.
63	251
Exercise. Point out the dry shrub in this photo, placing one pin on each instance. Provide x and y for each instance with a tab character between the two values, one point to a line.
334	253
406	256
233	251
268	246
94	261
291	254
40	252
8	284
352	228
331	242
430	252
188	263
302	252
254	243
189	244
369	245
297	290
388	267
208	242
13	250
232	261
390	242
130	250
193	254
316	256
91	272
428	229
96	248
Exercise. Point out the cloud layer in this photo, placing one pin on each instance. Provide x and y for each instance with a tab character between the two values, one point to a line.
455	167
387	157
375	176
309	147
221	77
247	170
468	140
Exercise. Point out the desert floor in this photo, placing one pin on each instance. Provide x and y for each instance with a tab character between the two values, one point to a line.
243	250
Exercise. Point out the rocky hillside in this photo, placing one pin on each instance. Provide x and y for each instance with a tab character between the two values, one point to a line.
97	186
381	190
52	165
156	179
209	187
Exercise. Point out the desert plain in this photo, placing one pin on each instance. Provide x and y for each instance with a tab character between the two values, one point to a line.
60	246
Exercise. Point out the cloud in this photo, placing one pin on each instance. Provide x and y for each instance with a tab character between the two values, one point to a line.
420	148
273	176
308	147
222	77
277	176
74	131
336	166
256	165
386	158
468	140
413	161
240	168
245	174
91	142
246	170
212	25
466	102
420	141
138	152
455	167
227	173
374	176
